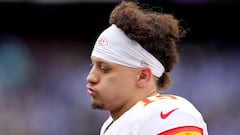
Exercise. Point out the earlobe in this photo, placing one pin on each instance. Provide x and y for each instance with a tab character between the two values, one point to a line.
144	76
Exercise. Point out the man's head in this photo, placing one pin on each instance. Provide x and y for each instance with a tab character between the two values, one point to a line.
157	33
133	56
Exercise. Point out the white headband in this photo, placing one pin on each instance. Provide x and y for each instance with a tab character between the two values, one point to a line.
114	46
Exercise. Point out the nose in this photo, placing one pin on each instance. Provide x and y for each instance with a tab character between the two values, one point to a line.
92	77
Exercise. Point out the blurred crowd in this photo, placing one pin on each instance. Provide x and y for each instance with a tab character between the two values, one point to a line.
42	85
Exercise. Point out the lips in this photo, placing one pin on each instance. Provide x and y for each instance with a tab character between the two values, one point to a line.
91	91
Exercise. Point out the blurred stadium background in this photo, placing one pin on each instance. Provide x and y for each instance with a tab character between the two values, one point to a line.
44	60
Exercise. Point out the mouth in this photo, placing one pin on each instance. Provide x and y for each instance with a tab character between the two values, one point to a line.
91	91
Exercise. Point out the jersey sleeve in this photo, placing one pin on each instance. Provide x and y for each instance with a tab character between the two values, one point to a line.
171	115
174	122
183	123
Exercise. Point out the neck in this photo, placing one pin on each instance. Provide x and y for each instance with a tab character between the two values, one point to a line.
115	114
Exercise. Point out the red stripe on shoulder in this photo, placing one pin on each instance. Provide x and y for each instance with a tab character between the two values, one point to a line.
182	129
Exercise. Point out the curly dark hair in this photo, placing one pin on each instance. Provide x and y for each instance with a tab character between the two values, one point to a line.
156	32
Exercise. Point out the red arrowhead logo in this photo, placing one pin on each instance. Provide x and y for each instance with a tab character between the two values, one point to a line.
165	115
101	41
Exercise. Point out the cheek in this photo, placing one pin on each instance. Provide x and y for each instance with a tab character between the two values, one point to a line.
116	90
113	82
122	82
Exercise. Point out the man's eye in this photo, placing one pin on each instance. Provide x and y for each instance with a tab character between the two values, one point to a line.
104	69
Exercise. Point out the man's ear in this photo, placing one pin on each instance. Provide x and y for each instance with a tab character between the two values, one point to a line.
144	77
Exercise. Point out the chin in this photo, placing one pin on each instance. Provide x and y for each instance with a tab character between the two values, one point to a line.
97	105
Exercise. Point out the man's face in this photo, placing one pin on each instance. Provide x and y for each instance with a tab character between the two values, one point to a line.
110	85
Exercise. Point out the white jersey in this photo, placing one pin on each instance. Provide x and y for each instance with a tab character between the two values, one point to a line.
158	115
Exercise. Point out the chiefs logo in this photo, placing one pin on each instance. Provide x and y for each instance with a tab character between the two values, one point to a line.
101	41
